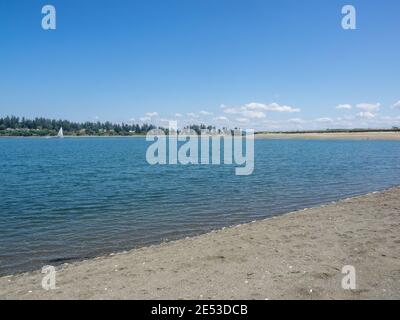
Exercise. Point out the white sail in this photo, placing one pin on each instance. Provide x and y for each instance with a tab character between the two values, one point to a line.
60	133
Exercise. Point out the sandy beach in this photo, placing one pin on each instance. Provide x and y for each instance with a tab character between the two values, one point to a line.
333	136
299	255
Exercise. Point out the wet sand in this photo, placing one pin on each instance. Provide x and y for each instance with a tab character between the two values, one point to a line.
333	136
299	255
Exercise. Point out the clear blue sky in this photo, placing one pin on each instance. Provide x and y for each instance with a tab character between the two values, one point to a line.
119	60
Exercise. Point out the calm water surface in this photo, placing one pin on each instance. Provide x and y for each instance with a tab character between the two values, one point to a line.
77	198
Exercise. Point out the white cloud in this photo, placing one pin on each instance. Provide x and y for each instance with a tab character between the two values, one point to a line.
344	106
270	107
296	121
387	118
257	110
192	115
222	118
152	114
246	113
253	114
269	121
205	113
178	115
366	115
231	110
324	120
370	107
145	119
396	105
259	107
242	120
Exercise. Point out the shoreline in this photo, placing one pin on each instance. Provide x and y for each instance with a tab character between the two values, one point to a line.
107	272
68	137
70	261
370	135
373	136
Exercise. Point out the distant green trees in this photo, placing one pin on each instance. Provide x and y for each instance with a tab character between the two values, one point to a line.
16	126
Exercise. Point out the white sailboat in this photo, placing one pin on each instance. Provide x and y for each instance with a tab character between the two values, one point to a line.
60	133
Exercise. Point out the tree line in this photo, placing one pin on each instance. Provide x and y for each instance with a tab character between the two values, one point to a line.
12	125
21	126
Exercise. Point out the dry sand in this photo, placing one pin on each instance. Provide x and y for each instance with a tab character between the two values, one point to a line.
298	255
333	136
